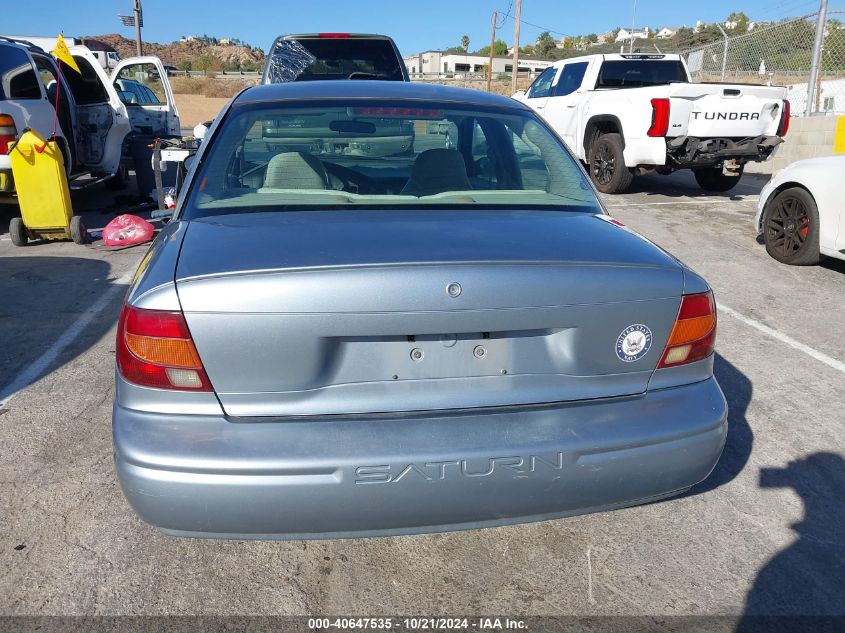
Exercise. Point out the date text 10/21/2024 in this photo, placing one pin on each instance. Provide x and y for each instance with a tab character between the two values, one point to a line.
417	624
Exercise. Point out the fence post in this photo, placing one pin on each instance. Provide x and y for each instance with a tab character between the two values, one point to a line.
817	56
724	52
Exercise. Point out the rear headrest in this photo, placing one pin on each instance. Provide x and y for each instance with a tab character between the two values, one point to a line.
296	170
435	171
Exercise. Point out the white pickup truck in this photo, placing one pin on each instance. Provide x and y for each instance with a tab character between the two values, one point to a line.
627	115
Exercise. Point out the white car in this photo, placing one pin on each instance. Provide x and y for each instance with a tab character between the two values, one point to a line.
800	213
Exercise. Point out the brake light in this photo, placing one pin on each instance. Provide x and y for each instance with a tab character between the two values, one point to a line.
333	36
783	126
403	113
694	335
155	349
8	132
659	117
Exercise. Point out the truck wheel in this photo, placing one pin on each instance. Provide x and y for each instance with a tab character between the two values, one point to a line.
711	179
17	231
77	230
791	227
607	165
120	180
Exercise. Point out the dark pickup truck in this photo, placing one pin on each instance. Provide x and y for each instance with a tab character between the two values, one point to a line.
320	56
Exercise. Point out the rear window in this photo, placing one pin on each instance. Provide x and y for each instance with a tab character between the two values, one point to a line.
636	73
384	155
310	59
17	76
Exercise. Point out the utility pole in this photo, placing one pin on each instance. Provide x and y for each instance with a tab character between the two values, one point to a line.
633	21
138	46
492	44
516	21
812	89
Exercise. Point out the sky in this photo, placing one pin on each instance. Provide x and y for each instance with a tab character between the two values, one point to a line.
416	26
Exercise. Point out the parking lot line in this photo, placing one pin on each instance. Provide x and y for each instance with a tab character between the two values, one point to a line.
838	365
677	202
37	367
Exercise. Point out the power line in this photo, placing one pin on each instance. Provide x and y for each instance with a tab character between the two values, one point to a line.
505	16
542	28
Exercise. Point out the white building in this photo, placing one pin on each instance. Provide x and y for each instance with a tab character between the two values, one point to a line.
626	35
440	63
666	32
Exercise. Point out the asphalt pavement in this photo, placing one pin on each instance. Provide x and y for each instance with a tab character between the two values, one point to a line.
762	535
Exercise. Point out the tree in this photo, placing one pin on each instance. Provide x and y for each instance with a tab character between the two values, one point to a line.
500	49
528	49
592	38
208	63
465	42
568	42
545	44
185	65
739	23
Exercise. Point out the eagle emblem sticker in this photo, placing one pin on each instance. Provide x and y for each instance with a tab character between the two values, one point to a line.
633	343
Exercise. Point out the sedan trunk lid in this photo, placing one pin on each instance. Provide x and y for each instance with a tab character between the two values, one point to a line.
353	312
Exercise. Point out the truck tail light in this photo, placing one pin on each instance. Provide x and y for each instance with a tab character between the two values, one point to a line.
155	349
333	36
694	334
659	117
783	126
8	132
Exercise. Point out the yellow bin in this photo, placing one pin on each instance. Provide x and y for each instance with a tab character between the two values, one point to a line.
43	193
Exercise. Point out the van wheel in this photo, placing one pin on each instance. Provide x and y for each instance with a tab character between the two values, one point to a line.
18	232
791	227
77	230
607	165
711	179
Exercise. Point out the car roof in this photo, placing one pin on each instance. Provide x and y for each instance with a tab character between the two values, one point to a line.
618	57
343	36
364	89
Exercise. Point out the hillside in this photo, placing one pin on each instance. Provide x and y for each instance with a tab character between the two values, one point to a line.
200	55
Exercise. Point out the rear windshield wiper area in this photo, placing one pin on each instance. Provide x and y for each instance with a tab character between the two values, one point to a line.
364	75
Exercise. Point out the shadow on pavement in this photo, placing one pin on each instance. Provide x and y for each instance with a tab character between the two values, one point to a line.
738	390
683	184
808	577
41	298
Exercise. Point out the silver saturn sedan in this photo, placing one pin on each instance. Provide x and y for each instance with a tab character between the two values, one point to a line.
328	342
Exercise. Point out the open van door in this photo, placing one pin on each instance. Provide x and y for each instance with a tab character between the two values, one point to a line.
144	89
101	119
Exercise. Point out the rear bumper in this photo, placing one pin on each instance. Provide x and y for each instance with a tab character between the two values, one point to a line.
7	182
690	152
207	476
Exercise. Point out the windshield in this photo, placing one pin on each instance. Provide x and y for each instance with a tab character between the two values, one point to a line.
636	73
309	59
384	155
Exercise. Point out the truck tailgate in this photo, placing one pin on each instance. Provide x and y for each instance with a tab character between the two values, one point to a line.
725	110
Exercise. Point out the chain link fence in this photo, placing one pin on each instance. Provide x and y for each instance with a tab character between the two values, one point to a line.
780	54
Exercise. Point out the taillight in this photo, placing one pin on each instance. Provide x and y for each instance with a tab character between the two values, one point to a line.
333	36
8	132
659	117
783	126
154	349
694	334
